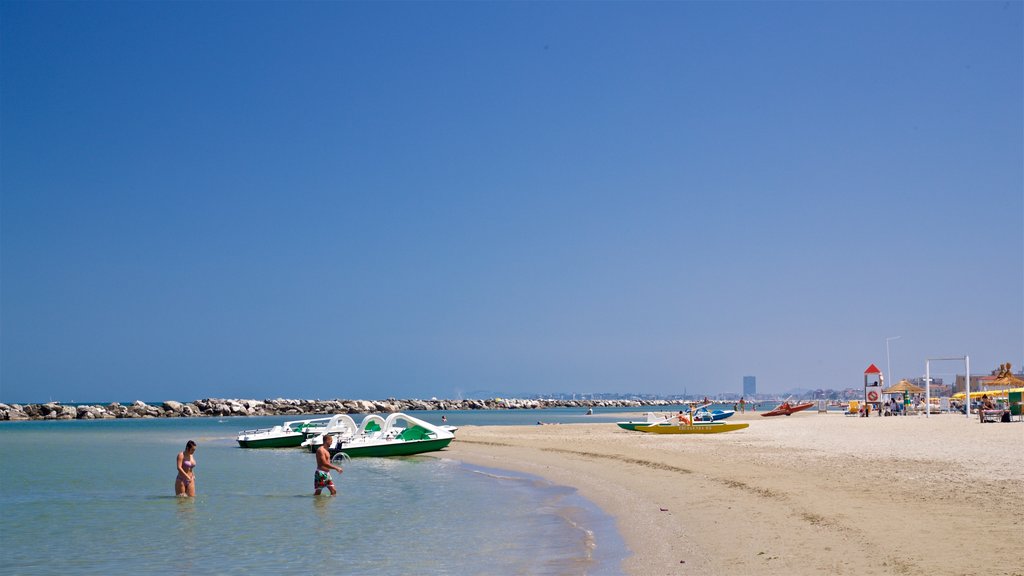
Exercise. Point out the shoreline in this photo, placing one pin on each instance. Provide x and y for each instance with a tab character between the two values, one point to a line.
810	493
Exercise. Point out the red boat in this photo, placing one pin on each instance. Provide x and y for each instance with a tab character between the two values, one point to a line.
785	409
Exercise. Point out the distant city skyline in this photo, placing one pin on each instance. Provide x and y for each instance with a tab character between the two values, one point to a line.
367	200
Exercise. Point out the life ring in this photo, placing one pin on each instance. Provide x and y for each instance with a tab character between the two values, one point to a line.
872	396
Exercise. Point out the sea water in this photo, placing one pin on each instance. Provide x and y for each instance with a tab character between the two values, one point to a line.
96	497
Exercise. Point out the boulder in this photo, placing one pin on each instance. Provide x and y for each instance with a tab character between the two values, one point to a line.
15	413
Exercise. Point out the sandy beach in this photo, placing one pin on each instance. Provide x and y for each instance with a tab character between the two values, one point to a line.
806	494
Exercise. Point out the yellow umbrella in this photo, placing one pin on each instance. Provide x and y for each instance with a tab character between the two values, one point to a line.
990	393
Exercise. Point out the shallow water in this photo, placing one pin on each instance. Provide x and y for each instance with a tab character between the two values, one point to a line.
96	497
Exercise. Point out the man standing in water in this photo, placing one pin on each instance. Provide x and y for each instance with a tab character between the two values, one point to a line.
322	475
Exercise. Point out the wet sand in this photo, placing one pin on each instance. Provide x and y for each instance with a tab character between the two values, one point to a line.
806	494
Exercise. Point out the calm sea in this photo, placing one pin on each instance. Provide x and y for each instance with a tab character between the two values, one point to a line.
96	497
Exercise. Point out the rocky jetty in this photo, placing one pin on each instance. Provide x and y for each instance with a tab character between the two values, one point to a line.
288	407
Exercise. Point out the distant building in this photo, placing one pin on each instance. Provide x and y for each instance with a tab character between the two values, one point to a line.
749	385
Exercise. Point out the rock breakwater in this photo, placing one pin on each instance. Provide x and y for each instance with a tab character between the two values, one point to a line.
287	407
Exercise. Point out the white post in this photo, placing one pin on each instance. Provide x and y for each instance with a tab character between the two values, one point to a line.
967	387
967	361
888	365
927	388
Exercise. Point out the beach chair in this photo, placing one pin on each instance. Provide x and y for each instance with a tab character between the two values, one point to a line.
992	415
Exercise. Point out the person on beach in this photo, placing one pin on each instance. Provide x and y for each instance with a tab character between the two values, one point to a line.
185	482
743	405
986	404
322	476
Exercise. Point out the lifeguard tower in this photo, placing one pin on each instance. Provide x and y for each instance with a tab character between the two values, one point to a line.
873	388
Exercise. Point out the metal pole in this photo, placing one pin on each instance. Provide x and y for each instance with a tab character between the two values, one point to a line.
967	361
927	388
888	365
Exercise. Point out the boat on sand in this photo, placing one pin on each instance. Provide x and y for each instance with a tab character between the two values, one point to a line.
712	416
649	418
785	409
694	428
679	424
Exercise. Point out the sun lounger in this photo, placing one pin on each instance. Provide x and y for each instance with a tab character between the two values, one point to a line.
992	415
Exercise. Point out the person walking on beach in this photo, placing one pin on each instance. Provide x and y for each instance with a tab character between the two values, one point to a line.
743	405
185	482
322	476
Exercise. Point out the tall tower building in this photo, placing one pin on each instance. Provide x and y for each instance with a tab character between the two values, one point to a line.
749	385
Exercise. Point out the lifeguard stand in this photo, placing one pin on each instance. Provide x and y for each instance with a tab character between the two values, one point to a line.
873	388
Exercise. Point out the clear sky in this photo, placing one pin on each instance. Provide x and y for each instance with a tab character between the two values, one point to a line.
363	200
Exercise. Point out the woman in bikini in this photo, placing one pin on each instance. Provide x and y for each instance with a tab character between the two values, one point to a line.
185	483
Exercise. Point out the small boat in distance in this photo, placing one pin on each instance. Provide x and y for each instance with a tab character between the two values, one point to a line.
287	435
785	409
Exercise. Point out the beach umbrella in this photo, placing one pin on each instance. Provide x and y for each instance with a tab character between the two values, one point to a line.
1005	379
902	387
989	393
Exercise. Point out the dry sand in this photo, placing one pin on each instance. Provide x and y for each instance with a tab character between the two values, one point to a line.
806	494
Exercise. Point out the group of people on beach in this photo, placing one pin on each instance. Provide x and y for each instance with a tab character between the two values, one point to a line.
185	481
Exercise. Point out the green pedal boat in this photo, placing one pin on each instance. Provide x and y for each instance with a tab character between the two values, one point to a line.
397	435
287	435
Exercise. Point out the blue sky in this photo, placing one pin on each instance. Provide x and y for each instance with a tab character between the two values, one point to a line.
363	200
